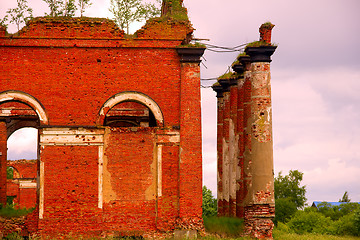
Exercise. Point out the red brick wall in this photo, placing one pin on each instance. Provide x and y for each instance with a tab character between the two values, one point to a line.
72	70
25	168
70	190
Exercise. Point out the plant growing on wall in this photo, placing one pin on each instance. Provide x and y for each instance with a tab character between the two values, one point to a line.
55	7
82	5
20	14
128	11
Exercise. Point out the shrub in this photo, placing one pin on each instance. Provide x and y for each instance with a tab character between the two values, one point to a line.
344	226
11	211
309	222
285	209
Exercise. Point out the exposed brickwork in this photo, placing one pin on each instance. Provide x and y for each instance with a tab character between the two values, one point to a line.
98	179
3	158
245	154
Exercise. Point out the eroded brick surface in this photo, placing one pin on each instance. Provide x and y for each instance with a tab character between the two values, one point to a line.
129	170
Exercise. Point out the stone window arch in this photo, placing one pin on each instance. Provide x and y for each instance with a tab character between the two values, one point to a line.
18	96
155	114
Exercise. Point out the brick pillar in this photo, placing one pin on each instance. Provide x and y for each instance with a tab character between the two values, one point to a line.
239	69
225	83
233	146
259	200
3	161
190	179
220	121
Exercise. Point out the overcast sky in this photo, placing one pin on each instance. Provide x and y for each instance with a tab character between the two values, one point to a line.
315	83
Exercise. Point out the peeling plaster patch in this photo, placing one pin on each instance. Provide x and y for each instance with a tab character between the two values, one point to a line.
226	162
261	128
108	193
262	196
260	80
67	136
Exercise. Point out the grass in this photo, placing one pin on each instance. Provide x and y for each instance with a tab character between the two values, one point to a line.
10	211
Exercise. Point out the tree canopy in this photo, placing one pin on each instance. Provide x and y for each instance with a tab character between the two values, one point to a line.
289	187
209	205
128	11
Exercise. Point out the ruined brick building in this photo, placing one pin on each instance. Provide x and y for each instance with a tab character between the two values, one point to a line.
118	118
244	138
120	129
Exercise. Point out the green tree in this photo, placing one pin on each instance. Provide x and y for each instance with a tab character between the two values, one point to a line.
21	14
128	11
209	204
66	8
289	187
285	210
69	8
345	197
82	5
56	7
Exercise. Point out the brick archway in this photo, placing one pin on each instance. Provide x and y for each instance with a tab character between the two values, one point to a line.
27	99
134	97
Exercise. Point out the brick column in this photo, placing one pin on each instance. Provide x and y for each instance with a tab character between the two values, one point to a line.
233	146
259	200
225	83
239	69
190	179
220	121
3	161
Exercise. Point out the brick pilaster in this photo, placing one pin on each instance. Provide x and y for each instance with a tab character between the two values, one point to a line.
3	161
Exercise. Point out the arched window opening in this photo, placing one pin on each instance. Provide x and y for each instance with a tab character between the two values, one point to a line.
21	121
130	114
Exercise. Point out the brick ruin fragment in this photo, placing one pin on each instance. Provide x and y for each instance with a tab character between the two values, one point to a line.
119	124
244	139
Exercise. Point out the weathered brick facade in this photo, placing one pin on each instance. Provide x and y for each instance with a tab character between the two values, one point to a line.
119	124
244	139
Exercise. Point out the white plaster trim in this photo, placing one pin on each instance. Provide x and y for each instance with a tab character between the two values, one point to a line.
159	170
41	191
27	184
28	99
101	169
68	136
133	96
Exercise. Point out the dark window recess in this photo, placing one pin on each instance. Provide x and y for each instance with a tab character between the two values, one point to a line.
130	114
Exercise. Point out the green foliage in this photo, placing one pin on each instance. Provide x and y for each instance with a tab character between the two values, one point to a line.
4	20
69	8
209	204
285	209
128	11
357	221
345	198
56	7
21	14
82	5
10	211
224	226
309	222
9	173
13	236
288	186
344	226
336	212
